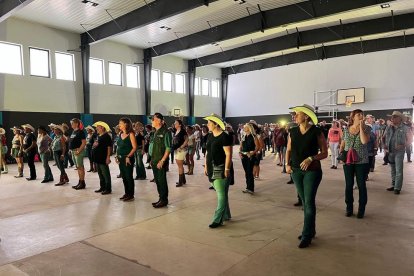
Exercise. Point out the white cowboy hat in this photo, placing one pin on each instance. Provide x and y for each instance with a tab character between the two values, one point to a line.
29	126
2	131
308	110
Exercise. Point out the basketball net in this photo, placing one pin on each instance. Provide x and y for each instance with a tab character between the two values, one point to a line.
348	103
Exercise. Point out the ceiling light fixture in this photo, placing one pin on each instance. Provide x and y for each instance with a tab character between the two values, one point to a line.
240	1
385	6
93	4
165	28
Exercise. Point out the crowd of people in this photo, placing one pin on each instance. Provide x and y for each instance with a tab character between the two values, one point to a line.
299	147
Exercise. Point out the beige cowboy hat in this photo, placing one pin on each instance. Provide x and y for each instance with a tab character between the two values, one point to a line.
90	128
308	110
29	126
398	114
16	128
2	131
51	125
102	124
217	119
60	127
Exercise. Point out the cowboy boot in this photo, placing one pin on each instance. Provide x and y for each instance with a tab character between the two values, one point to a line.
61	181
180	182
183	179
65	178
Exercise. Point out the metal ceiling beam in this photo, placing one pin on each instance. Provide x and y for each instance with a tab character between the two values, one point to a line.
325	52
8	7
312	37
153	12
254	23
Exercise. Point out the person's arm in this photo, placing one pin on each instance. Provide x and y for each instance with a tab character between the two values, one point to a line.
185	143
134	147
82	147
256	147
108	153
342	146
167	144
143	146
227	166
287	156
363	135
409	137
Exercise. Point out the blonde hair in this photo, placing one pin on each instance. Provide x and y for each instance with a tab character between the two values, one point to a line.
251	128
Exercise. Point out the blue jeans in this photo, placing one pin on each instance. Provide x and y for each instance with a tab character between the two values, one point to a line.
45	162
307	183
397	170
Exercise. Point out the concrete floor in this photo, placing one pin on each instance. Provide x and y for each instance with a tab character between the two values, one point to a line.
48	230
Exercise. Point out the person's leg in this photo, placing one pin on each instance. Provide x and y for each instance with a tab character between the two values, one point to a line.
227	213
106	173
101	178
130	184
140	165
245	163
393	175
163	186
399	171
349	171
297	176
250	177
44	161
360	174
30	162
220	187
311	181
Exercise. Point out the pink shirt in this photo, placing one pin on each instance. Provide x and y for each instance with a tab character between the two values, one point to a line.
334	135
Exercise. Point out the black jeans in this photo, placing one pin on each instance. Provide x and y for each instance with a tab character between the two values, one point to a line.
30	161
358	171
104	177
248	164
126	174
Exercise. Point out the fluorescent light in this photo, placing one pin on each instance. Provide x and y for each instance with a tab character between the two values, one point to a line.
385	6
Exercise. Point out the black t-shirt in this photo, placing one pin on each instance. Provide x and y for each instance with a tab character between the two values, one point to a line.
100	150
75	139
215	151
304	145
178	139
28	141
139	137
248	143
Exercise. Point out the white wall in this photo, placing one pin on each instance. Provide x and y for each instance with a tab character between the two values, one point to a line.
205	105
387	77
27	93
112	99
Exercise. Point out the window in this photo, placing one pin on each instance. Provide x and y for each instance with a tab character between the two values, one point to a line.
115	73
204	87
39	62
155	79
215	88
64	66
11	58
132	76
166	81
179	83
197	86
96	71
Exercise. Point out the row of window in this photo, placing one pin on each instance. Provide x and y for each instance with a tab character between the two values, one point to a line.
12	63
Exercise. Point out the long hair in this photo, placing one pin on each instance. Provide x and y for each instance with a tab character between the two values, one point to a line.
352	115
251	129
180	122
128	124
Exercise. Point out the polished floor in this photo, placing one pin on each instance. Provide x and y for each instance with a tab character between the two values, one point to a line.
48	230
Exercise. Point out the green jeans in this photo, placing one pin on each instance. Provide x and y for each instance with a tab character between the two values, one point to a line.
160	177
223	209
104	177
307	183
357	171
126	174
140	168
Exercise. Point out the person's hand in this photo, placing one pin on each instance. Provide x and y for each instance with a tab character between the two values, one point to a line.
226	173
108	160
160	164
62	157
127	161
400	147
205	170
117	160
305	164
288	169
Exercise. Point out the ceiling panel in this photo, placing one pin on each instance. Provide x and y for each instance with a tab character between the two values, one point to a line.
70	14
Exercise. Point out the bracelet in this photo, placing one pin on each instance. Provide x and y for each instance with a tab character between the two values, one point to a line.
162	161
227	169
310	158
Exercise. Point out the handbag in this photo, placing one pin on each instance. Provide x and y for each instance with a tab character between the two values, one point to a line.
352	155
218	172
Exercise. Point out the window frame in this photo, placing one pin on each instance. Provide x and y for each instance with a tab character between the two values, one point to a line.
21	58
48	62
218	88
158	80
172	81
103	71
126	76
121	77
197	90
175	83
73	66
208	87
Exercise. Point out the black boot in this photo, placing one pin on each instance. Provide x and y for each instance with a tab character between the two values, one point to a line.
82	185
183	179
180	181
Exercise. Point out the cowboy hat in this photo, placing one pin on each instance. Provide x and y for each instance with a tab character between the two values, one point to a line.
308	110
397	114
60	127
16	128
102	124
29	126
217	119
51	125
2	131
90	128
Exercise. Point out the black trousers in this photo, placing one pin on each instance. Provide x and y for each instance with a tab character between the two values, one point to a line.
30	161
248	164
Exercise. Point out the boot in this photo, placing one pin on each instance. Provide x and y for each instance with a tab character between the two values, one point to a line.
183	179
20	173
91	167
61	180
65	178
5	170
180	181
82	185
189	169
74	187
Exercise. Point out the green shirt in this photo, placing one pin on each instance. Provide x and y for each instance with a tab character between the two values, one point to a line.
159	143
124	146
